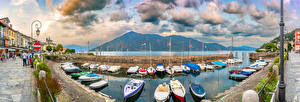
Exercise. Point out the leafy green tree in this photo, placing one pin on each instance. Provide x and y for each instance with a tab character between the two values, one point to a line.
59	47
49	48
270	47
70	51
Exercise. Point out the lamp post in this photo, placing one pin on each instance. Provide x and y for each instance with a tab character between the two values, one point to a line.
281	83
38	25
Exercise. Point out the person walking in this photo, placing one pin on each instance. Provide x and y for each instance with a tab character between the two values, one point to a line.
24	56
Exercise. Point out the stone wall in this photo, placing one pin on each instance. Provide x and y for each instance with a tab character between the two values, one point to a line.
265	55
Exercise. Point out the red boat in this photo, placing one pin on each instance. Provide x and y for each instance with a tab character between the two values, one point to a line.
143	71
151	71
235	71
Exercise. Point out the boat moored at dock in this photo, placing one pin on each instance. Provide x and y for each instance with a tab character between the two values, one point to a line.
162	93
90	77
99	84
133	87
197	90
177	89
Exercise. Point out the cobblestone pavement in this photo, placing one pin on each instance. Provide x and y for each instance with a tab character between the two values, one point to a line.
15	82
293	78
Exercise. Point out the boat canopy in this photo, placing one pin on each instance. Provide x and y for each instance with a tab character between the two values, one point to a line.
193	66
159	64
219	63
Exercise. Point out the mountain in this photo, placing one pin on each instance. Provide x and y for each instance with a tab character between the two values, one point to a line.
242	48
76	47
133	41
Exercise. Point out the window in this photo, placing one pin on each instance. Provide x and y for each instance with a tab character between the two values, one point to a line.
298	32
298	37
298	42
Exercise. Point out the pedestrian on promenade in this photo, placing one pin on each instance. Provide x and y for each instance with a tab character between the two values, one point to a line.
24	56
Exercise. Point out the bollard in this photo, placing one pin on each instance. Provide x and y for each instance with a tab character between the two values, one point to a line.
42	74
250	96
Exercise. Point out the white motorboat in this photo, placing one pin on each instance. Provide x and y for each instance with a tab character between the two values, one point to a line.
90	77
210	67
177	69
85	65
230	61
185	69
113	69
99	84
162	93
93	66
160	70
238	60
169	70
261	62
202	66
133	87
103	67
151	70
177	89
249	70
133	70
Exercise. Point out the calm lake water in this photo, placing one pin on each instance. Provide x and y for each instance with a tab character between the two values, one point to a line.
213	82
162	53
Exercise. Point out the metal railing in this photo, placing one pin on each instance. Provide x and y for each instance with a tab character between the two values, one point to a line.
263	93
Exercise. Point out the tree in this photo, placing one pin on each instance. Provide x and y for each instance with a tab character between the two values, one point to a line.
59	47
270	47
70	51
49	48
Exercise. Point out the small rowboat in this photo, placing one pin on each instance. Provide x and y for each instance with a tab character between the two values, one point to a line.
245	73
93	66
160	70
257	69
162	93
249	70
99	84
238	76
235	71
133	70
177	69
113	69
177	89
76	75
197	90
143	71
90	77
103	67
85	65
133	87
151	70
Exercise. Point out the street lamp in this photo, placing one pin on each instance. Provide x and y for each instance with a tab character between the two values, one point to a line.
38	25
281	82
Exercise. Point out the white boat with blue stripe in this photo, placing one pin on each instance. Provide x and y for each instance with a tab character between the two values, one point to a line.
133	87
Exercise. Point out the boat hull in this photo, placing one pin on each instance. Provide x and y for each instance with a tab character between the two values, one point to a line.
135	92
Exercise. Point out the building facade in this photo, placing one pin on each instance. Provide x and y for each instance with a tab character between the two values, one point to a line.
297	40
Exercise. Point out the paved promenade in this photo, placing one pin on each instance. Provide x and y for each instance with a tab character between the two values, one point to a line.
293	78
15	82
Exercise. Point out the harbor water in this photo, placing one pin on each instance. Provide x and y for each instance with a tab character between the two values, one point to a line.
213	81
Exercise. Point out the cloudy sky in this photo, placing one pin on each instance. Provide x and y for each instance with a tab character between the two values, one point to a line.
251	22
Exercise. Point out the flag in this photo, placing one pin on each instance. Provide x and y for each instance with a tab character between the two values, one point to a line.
204	46
169	43
121	45
144	44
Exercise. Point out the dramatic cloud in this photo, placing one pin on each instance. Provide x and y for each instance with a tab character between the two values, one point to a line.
49	4
211	14
151	11
234	8
119	15
212	30
183	16
273	5
255	13
70	7
188	3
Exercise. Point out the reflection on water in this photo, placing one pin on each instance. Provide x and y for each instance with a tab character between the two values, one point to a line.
162	53
213	82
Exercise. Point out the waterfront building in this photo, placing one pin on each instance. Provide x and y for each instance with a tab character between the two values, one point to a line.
297	40
49	42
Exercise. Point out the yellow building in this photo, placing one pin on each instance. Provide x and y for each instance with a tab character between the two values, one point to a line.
12	37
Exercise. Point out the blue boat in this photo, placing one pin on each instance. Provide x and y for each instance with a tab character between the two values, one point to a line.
219	64
238	76
193	66
246	73
197	90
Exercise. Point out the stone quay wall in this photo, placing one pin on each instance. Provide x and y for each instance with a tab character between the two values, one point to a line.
265	55
126	61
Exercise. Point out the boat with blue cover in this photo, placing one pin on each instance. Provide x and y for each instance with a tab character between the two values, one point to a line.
238	76
193	66
197	90
133	87
219	64
90	77
246	73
